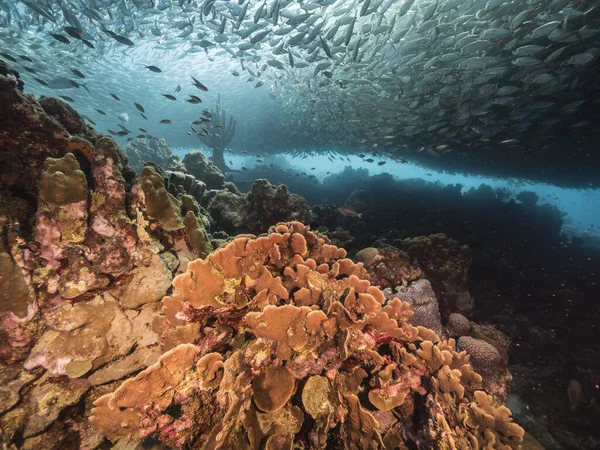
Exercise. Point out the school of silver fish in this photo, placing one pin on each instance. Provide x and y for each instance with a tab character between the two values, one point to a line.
435	74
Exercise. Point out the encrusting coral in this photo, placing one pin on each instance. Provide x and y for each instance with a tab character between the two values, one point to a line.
86	257
280	342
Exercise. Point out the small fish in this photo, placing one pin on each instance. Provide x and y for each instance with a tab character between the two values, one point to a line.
25	58
60	38
29	69
243	168
166	121
101	112
381	163
194	100
141	114
199	85
153	69
9	57
67	98
73	32
122	133
169	96
123	40
369	160
349	212
177	89
115	97
139	107
78	73
219	126
143	130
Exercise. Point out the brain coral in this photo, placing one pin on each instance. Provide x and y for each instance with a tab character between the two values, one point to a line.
280	342
458	325
485	357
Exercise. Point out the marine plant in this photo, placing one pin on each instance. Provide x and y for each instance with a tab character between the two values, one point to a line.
281	342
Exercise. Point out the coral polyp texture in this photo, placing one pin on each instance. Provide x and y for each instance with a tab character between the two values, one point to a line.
281	342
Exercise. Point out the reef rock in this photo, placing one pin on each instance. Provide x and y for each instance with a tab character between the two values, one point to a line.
445	263
87	254
180	182
263	205
29	136
204	170
388	266
269	204
228	210
421	298
155	150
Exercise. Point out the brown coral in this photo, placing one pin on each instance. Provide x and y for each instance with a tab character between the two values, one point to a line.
273	388
458	325
267	324
484	357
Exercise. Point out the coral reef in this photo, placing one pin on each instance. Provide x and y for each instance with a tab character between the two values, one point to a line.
152	149
281	341
264	205
388	266
180	182
197	164
28	136
88	252
270	204
421	298
445	263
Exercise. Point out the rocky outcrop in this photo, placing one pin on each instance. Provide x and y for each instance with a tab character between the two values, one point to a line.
204	170
88	252
265	204
180	182
155	150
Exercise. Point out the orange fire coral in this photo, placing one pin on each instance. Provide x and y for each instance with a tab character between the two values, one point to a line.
281	342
